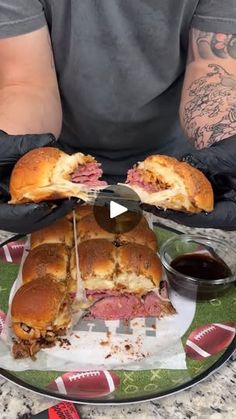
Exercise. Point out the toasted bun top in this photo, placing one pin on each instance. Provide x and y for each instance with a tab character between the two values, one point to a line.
45	173
46	259
97	258
139	260
141	234
183	186
128	268
128	220
88	228
34	169
59	232
37	303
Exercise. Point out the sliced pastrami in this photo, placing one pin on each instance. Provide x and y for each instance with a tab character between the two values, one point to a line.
98	295
114	306
89	174
155	306
135	177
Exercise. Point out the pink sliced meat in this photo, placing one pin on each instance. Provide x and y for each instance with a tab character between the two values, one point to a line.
98	295
122	307
152	305
134	177
157	307
128	306
89	174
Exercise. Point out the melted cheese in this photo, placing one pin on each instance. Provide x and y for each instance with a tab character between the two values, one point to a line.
63	318
130	282
99	283
168	198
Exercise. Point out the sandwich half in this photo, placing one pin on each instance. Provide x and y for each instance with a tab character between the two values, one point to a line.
165	182
40	313
48	173
120	282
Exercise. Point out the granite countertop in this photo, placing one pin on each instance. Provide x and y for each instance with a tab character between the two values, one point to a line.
214	398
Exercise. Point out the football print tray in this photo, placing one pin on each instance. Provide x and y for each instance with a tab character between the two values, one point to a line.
208	340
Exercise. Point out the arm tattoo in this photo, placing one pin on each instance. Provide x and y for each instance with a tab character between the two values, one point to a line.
210	114
220	45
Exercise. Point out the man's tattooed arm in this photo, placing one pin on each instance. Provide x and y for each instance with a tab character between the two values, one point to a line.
221	45
209	45
208	104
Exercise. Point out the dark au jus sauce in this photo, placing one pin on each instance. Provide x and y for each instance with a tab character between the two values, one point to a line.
201	266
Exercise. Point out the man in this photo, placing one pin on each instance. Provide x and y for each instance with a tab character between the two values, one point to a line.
108	78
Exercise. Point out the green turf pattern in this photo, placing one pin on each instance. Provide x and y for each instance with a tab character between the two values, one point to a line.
139	383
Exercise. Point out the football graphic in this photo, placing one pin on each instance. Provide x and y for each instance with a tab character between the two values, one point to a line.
86	384
2	320
209	339
12	252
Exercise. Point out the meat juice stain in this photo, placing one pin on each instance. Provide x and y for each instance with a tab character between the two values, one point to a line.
201	266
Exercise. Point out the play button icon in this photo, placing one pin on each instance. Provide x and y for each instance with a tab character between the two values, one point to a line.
117	209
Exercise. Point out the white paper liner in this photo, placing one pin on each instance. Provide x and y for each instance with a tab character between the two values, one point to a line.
138	344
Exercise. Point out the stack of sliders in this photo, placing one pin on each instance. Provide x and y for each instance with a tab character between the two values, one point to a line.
119	271
41	307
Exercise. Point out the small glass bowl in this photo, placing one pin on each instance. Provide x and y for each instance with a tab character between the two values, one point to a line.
191	286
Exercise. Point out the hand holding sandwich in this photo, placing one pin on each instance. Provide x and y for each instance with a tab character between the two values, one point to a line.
27	217
218	163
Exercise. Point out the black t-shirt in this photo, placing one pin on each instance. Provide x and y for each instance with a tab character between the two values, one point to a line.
120	67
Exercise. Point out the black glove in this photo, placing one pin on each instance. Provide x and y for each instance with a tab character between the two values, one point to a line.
218	163
25	218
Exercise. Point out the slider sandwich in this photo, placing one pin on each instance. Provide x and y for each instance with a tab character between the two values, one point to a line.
51	260
61	231
120	282
88	228
48	173
41	307
122	220
128	219
165	182
40	313
141	234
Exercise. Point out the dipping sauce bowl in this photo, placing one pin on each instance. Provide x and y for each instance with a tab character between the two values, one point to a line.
199	265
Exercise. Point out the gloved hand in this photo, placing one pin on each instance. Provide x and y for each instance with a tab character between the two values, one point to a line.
25	218
218	163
